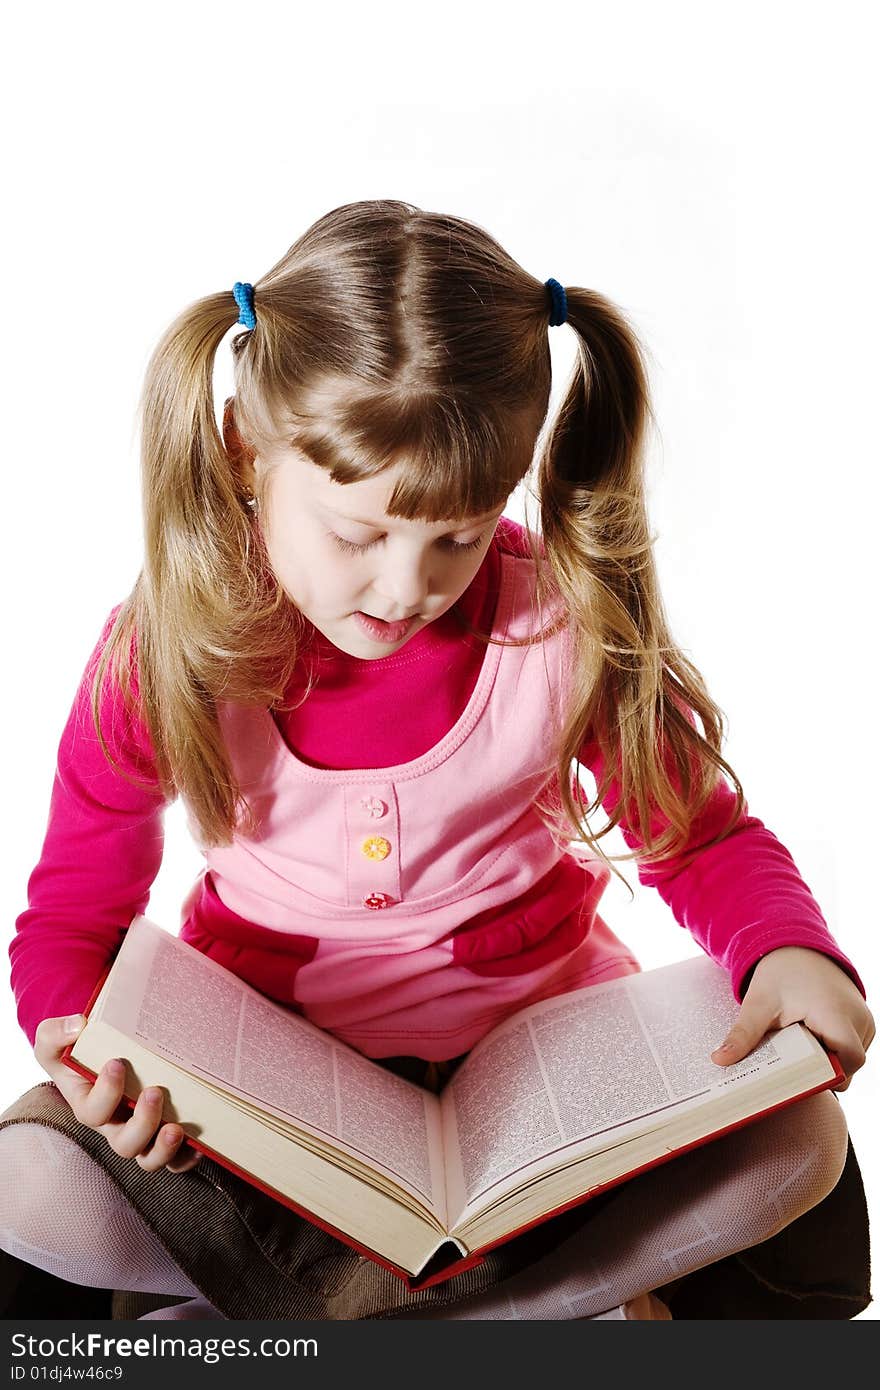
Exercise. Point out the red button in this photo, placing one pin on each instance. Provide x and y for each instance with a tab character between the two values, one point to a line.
377	900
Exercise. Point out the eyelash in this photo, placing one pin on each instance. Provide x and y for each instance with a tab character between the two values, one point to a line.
353	549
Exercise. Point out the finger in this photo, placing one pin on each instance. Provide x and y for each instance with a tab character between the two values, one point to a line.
748	1030
53	1035
135	1135
850	1052
185	1159
171	1151
163	1150
102	1101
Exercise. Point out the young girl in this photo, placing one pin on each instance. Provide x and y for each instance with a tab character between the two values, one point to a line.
372	692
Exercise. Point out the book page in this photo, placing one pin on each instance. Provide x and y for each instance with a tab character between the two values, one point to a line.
182	1005
584	1064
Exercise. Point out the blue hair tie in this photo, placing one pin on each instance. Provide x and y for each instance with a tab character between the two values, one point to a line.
559	312
244	298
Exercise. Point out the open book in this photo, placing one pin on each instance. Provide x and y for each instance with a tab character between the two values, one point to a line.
560	1101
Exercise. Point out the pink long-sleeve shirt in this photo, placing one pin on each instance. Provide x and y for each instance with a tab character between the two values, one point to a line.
104	840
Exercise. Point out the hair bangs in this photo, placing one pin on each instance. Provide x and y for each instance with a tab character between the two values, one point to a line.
456	460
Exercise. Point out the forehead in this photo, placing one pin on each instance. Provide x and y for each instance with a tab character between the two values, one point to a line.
364	501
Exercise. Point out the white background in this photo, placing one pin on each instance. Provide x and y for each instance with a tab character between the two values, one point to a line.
709	168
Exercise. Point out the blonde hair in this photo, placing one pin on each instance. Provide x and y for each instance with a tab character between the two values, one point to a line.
387	334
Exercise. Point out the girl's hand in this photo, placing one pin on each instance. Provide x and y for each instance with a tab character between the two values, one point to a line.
95	1104
794	984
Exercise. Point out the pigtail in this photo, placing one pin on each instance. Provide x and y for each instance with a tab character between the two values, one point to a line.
631	689
205	619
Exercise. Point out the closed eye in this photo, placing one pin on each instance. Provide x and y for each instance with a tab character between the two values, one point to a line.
353	549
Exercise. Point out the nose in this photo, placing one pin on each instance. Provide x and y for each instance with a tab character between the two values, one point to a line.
403	584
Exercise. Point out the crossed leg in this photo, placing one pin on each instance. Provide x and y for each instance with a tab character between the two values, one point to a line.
59	1210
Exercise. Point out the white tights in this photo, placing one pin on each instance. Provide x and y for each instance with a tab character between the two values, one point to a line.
60	1211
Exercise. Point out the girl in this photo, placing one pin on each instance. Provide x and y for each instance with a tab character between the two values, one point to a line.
372	692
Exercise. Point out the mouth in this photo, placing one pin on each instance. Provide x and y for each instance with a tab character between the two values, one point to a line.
380	630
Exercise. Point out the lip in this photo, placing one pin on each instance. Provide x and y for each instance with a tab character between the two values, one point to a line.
381	631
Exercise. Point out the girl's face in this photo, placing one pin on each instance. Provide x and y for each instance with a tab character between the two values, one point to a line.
336	553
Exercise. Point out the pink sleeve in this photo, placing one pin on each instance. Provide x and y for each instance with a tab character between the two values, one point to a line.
102	850
739	899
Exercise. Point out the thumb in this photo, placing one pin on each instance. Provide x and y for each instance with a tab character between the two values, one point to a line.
54	1034
746	1033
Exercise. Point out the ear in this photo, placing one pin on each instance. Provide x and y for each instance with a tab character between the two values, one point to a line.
240	454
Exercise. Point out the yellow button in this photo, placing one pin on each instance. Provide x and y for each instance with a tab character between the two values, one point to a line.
376	847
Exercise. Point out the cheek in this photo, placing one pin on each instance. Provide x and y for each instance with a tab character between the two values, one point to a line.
310	575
